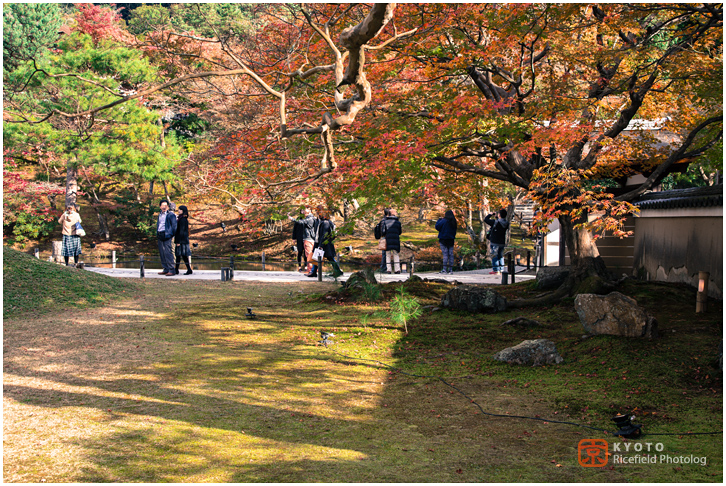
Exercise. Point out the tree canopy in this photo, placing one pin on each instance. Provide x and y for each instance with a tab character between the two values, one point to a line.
413	103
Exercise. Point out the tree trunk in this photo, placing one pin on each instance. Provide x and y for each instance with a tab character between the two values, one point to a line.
588	273
102	224
166	192
579	241
71	185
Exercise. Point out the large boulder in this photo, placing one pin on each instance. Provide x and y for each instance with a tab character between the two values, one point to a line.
471	298
550	278
534	352
615	314
357	279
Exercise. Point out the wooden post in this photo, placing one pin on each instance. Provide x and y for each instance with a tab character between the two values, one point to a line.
263	261
320	269
512	269
113	258
141	265
505	277
529	256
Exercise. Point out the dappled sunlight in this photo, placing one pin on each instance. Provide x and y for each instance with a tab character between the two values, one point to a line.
187	389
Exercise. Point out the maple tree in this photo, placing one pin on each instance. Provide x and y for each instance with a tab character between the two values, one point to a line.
549	98
418	103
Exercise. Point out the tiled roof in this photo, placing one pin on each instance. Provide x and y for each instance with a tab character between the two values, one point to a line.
695	197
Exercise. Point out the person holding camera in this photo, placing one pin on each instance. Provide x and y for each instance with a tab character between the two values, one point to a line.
497	239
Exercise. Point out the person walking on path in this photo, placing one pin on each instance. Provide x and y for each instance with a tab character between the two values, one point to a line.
298	231
324	240
497	239
181	239
377	233
71	241
303	232
391	231
447	236
165	231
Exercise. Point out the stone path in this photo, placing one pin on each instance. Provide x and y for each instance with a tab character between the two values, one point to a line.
473	276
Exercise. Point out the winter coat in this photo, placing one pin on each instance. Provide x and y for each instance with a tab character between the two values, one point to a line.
310	227
68	222
325	227
446	229
169	226
298	229
498	234
181	237
391	230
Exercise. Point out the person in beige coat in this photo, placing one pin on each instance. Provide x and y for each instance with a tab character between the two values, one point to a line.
71	241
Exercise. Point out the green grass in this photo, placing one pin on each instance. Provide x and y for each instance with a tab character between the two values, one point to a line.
174	384
34	285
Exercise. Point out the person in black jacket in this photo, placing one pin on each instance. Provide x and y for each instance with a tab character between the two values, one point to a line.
324	240
298	234
391	231
497	239
377	233
181	239
447	238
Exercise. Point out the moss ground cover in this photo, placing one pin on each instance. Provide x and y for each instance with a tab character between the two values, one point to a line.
30	284
172	383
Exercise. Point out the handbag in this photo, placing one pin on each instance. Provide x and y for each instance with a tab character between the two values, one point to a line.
79	230
382	244
318	254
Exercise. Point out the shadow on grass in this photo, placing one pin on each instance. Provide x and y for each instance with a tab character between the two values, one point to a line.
195	392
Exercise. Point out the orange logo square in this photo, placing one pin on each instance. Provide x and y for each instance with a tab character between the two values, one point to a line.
593	452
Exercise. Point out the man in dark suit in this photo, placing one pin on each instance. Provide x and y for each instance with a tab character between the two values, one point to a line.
165	230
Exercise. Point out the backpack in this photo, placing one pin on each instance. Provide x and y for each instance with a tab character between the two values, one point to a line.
377	231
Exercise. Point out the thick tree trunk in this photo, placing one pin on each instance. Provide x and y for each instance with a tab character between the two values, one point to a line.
588	273
71	185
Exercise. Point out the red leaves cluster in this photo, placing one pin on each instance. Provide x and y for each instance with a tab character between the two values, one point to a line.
100	22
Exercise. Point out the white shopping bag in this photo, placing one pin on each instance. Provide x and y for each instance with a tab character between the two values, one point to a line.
318	254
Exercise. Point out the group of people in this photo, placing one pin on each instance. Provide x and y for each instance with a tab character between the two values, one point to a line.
311	234
388	232
173	226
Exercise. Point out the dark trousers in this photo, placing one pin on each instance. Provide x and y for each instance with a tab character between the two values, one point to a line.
166	254
301	252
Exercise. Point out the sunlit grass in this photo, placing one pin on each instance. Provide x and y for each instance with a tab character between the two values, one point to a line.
176	385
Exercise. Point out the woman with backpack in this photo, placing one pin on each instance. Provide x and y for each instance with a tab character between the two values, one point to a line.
391	230
497	239
447	237
377	232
